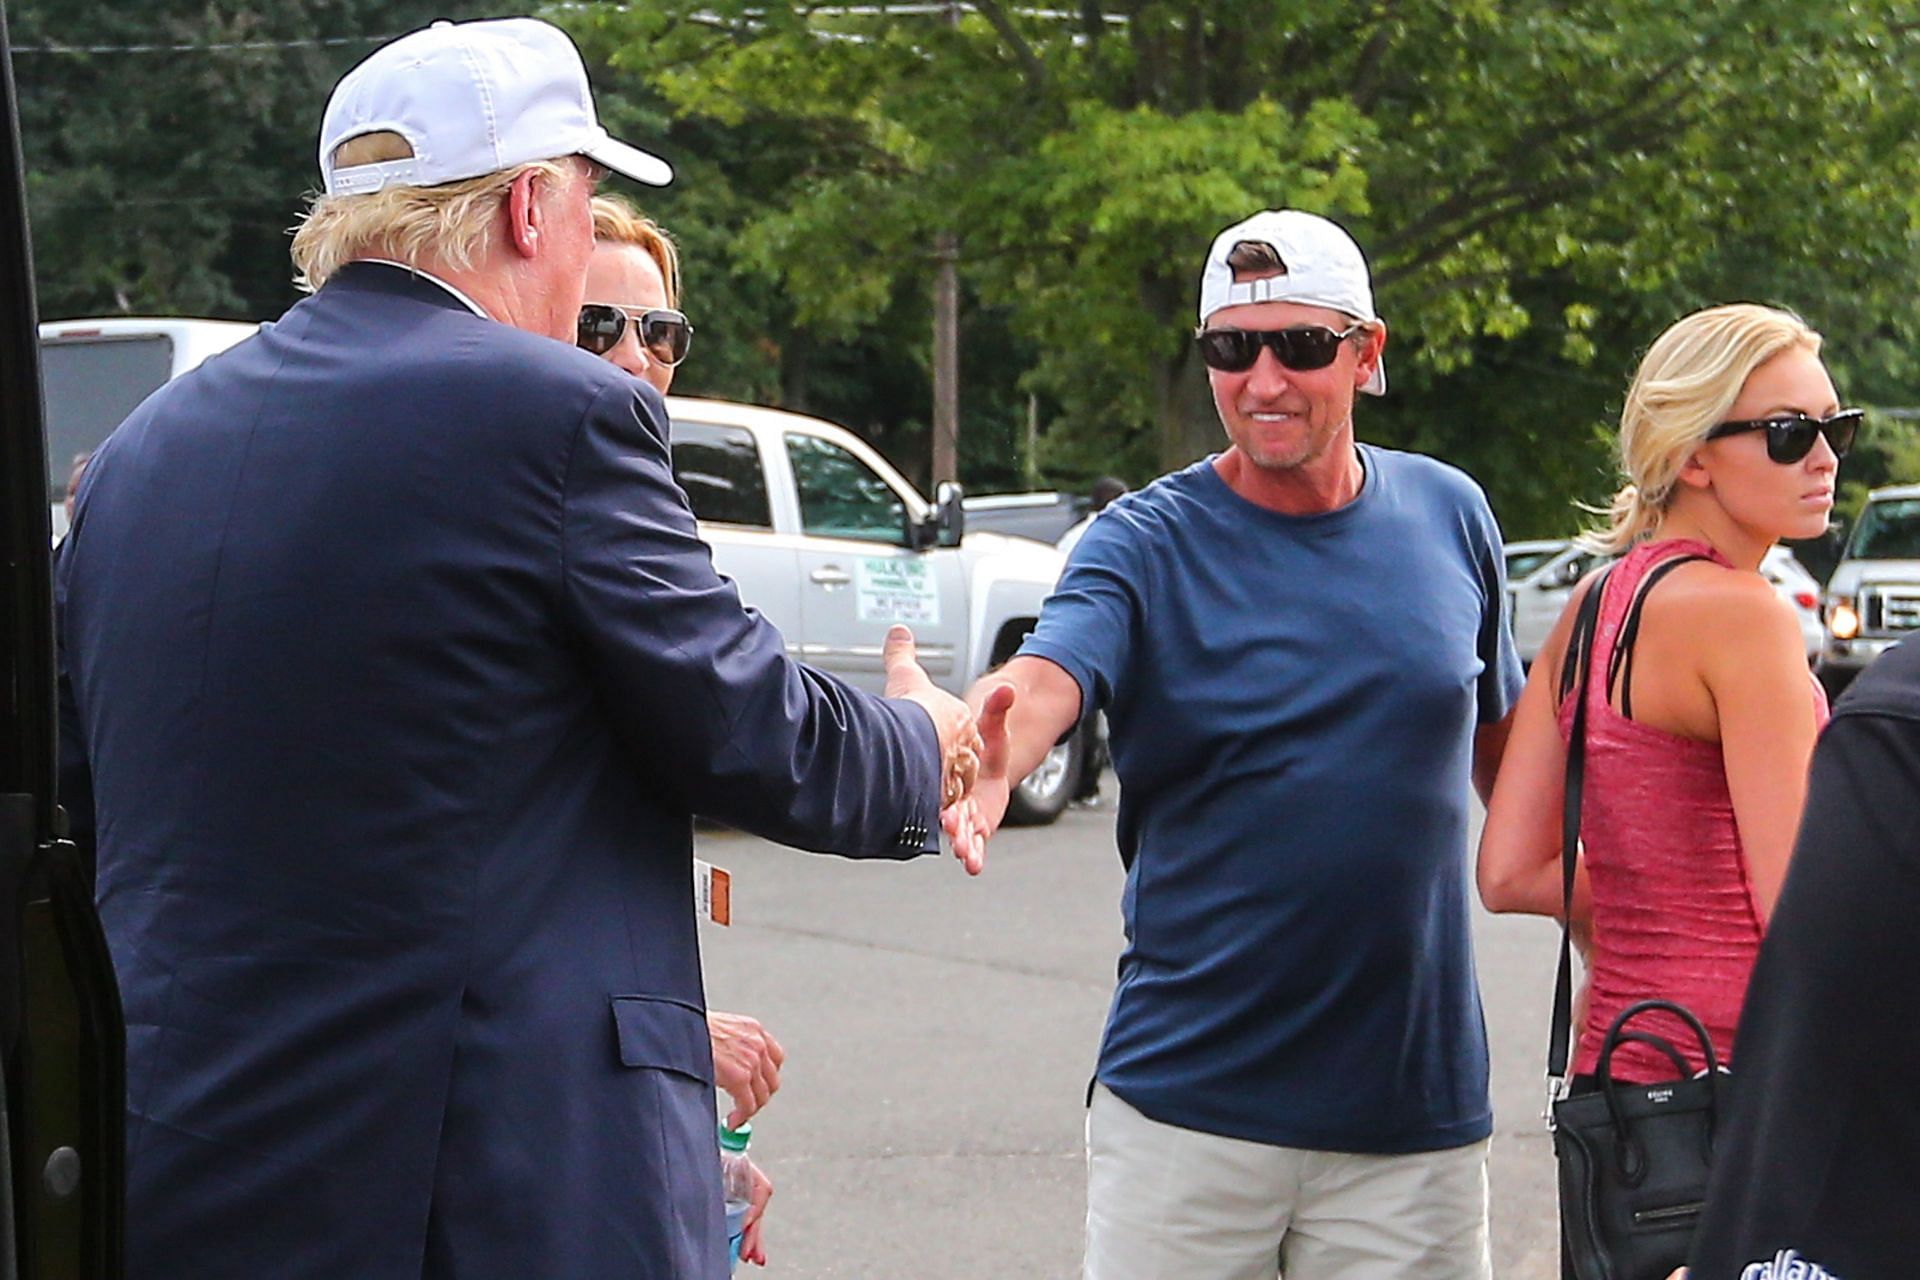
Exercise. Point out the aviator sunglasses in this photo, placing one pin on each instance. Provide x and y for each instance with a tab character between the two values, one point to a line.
1307	347
664	333
1790	436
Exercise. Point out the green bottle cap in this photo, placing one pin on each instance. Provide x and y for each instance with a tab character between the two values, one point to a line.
736	1139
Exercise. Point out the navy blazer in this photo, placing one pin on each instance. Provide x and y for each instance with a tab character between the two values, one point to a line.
401	667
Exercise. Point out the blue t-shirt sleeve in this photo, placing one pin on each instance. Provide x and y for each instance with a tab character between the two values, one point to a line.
1088	625
1501	677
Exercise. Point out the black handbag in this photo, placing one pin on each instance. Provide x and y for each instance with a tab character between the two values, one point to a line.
1634	1159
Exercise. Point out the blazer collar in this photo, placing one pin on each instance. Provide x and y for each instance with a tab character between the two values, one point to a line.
398	280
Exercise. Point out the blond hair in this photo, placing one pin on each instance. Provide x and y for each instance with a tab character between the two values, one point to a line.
449	223
1685	385
617	222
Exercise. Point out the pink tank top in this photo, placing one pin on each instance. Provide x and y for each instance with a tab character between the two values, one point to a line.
1673	912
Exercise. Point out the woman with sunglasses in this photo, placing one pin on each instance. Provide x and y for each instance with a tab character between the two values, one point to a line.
1701	716
633	292
631	318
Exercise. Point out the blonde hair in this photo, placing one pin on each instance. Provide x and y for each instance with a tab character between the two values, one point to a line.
617	222
450	222
1685	385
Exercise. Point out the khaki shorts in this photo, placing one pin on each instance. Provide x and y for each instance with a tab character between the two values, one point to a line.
1166	1203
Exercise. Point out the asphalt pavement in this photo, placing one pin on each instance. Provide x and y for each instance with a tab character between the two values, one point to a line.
940	1032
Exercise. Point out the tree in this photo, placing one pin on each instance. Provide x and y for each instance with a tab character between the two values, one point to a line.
171	144
1541	186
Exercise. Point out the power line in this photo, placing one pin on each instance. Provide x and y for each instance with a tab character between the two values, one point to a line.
941	8
87	202
335	42
325	42
923	8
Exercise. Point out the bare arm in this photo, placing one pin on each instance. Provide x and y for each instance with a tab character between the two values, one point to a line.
1489	747
1519	866
1756	671
1022	709
1046	704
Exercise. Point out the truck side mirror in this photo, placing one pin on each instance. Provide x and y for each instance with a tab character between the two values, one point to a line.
942	526
949	516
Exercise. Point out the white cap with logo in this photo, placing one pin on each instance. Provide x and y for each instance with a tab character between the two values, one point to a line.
472	98
1321	267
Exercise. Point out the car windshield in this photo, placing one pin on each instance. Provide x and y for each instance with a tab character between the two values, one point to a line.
92	386
1888	530
1522	563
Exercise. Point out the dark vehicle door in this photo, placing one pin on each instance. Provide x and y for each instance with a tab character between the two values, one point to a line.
62	1044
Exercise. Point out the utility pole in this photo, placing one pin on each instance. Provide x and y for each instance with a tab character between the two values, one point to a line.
946	340
946	359
821	20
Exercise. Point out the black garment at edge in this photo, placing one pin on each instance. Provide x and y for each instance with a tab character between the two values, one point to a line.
1818	1171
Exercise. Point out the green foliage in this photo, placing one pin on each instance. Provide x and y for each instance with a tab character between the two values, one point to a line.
1541	186
162	179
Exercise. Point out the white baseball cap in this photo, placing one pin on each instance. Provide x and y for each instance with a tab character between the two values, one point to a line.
472	98
1321	267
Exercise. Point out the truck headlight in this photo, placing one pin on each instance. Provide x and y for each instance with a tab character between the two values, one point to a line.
1842	620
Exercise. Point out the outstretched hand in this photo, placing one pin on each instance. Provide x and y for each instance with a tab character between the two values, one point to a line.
972	821
953	720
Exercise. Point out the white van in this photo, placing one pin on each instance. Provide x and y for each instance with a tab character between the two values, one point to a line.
95	372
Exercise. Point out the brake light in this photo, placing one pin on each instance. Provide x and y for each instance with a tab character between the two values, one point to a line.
1805	599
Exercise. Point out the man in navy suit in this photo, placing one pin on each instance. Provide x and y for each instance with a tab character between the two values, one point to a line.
399	667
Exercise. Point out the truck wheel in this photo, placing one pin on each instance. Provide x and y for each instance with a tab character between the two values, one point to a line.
1044	795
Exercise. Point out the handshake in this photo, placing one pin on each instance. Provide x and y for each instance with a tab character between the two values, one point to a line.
973	749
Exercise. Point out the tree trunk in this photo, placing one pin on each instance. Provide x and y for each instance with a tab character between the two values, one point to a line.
1183	409
946	361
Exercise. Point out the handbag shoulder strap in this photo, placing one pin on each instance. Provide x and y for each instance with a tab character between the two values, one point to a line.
1620	661
1575	669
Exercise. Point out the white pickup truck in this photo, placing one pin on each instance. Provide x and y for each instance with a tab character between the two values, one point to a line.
833	546
822	535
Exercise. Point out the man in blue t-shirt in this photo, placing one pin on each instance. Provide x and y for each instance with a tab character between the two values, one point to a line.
1300	648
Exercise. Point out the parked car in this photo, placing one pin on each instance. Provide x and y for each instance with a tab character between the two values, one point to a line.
1873	597
1799	588
1541	575
1526	556
1540	579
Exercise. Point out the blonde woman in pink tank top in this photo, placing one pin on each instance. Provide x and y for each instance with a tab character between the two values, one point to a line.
1697	754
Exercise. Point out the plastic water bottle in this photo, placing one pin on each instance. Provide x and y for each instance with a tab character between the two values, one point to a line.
736	1177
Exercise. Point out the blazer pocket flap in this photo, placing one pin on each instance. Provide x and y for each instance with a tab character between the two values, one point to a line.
664	1035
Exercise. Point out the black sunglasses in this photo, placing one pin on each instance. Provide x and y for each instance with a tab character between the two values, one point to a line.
1307	347
664	333
1790	436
